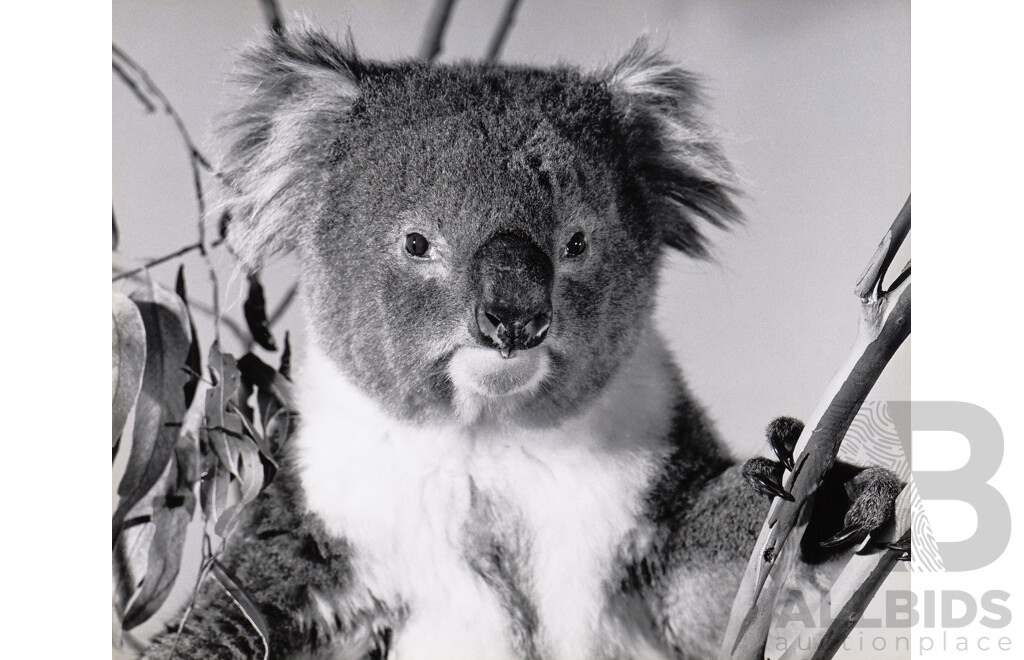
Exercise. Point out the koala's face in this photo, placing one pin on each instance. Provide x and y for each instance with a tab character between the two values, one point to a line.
478	260
476	242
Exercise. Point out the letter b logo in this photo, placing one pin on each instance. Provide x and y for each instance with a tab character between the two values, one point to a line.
967	484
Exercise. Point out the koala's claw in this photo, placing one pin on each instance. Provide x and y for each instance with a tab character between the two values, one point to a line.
844	536
783	432
874	491
902	546
765	477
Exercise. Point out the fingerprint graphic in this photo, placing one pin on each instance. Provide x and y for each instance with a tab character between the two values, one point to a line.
925	551
873	440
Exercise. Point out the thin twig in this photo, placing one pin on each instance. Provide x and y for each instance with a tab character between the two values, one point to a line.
196	161
433	38
201	224
232	325
143	77
508	17
272	16
134	87
208	561
285	303
159	260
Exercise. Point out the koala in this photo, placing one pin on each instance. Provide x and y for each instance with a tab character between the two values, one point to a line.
497	456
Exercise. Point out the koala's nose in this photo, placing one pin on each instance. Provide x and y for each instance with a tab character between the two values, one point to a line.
511	330
513	278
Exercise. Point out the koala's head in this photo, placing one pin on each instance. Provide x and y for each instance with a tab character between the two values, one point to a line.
475	240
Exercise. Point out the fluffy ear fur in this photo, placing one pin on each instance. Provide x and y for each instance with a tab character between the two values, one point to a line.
295	92
673	150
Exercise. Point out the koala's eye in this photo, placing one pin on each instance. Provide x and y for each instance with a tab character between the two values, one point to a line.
416	244
577	245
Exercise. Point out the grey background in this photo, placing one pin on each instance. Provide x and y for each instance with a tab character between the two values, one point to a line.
813	99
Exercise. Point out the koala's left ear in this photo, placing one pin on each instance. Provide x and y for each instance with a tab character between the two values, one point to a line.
296	91
687	177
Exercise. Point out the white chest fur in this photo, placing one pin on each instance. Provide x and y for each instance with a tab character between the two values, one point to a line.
401	495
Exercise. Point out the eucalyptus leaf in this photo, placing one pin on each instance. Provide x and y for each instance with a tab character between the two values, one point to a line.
171	504
129	360
161	402
214	490
269	469
222	424
244	602
286	358
193	361
131	557
250	471
170	523
255	310
266	378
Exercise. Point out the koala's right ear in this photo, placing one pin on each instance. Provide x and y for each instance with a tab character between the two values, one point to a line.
294	93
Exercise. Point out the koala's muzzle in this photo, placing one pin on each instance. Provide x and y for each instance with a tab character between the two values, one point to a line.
512	278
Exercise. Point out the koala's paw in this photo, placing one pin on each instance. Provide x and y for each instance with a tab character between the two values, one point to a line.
765	475
855	501
873	492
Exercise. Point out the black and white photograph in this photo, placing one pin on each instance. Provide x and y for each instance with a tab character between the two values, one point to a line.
527	329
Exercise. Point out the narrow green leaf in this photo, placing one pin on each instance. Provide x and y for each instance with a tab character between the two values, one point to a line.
131	557
266	378
193	361
269	470
279	428
129	360
250	481
161	402
221	401
241	598
214	490
255	310
152	565
286	358
171	523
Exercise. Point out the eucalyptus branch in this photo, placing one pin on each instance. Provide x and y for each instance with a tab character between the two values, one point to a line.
508	17
870	283
884	324
433	38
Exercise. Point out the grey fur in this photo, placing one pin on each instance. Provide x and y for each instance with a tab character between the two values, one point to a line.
339	159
